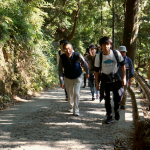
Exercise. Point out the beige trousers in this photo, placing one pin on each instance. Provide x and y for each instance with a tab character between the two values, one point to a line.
73	91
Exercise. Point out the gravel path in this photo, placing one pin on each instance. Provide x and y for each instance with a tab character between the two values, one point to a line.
43	123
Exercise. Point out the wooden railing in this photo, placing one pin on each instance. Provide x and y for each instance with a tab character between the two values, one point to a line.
143	85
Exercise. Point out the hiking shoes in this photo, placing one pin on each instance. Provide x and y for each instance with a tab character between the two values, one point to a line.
97	96
93	98
109	120
76	114
122	107
70	110
117	115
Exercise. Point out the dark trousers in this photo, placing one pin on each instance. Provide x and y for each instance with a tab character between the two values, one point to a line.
66	92
91	80
116	97
85	80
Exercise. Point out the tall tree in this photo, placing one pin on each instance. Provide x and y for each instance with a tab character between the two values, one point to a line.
131	27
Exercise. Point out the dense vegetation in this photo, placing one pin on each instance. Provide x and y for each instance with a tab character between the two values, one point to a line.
30	32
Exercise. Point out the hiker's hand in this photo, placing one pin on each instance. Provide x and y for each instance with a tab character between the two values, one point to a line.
62	86
87	76
130	82
97	86
124	81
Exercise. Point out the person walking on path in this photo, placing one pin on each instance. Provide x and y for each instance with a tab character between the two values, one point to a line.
107	62
129	73
71	62
84	73
58	56
90	59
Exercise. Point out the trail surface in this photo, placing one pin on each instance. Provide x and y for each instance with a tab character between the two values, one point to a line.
43	123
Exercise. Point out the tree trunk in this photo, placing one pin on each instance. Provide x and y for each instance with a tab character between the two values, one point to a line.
70	37
101	20
148	74
113	28
131	28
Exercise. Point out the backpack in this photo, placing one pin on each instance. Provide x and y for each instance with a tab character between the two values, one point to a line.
101	57
59	52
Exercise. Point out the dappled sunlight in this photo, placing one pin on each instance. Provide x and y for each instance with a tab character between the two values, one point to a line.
45	121
21	99
67	123
96	112
128	116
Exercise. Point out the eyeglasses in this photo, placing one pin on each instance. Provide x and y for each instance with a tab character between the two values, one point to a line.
67	49
92	49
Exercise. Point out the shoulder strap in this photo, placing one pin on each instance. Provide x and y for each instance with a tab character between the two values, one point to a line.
100	58
76	55
59	52
116	56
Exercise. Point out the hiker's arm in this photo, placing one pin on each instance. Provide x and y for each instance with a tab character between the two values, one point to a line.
124	75
96	80
60	69
85	66
131	72
97	68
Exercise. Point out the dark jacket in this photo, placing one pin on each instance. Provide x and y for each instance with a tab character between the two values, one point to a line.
72	66
129	68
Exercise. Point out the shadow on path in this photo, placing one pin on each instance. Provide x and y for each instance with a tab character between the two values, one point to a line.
45	123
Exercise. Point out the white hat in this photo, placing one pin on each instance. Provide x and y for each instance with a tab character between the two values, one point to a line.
122	48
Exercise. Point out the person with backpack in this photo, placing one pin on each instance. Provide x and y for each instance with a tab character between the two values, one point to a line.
106	65
129	73
90	59
71	62
58	56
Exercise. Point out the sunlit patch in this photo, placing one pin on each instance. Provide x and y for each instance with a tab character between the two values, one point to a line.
96	112
21	100
129	116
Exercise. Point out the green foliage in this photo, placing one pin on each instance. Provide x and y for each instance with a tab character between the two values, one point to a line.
35	28
22	23
6	98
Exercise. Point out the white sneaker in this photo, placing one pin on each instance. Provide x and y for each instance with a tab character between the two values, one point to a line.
70	110
76	114
97	96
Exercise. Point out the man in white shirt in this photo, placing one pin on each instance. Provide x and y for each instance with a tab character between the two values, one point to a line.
110	79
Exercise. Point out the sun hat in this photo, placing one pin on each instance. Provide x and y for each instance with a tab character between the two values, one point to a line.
122	48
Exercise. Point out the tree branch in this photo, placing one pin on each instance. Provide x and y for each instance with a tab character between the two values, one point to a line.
70	37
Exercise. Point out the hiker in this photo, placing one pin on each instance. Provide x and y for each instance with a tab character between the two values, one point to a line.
71	62
84	73
90	59
129	74
107	62
58	56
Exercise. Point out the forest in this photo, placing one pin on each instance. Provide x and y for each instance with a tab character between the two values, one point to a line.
30	32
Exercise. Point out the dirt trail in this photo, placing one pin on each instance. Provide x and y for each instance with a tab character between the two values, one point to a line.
43	123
